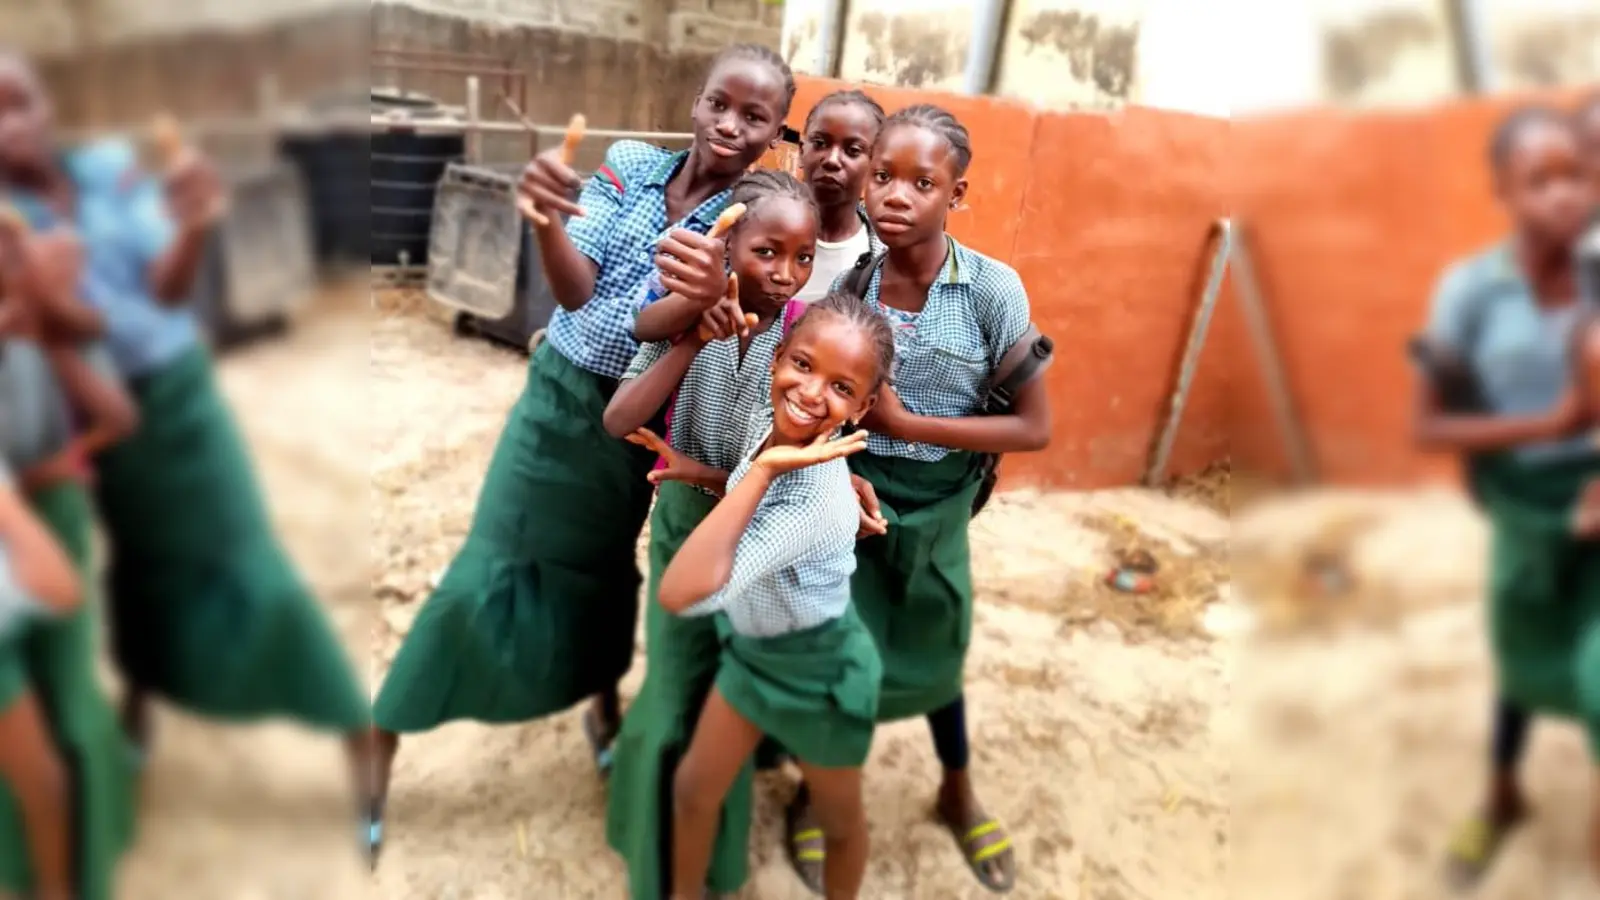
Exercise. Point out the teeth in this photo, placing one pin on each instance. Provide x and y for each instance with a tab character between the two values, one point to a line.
798	413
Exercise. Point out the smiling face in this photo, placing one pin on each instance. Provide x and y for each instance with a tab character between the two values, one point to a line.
738	115
772	252
1544	185
912	185
826	373
836	150
25	119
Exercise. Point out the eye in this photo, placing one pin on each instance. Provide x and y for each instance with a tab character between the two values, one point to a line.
924	184
818	143
764	252
844	388
800	363
855	152
880	176
805	259
717	105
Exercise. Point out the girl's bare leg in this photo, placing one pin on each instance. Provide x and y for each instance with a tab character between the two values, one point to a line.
29	763
837	805
722	742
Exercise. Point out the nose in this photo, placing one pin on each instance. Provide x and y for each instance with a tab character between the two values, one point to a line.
728	125
896	198
834	160
783	273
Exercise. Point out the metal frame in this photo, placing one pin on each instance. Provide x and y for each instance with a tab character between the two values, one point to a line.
1232	256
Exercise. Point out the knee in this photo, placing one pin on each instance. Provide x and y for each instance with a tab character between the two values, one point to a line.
840	816
43	784
690	796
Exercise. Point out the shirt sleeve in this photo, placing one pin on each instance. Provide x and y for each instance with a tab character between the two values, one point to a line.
782	531
151	228
601	198
648	355
1003	310
1450	308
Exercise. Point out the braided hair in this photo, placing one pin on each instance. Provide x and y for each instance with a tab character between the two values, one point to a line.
849	308
765	55
756	188
847	98
941	122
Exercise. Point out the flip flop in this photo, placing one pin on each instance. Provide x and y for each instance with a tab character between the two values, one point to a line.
804	845
976	853
373	838
1474	847
601	750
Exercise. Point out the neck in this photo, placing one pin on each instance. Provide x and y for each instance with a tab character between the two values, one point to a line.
838	223
694	181
921	262
1542	261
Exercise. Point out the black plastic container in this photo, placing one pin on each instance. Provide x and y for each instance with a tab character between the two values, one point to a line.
405	171
335	169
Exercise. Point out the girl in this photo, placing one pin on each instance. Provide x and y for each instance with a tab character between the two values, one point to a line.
1588	122
835	148
773	560
956	313
713	382
43	384
206	610
538	609
1508	312
35	578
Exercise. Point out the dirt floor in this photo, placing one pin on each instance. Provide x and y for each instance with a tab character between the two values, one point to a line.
1166	747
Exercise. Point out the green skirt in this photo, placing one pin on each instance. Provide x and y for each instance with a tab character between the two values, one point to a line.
61	657
1544	591
815	691
681	657
206	609
538	609
913	586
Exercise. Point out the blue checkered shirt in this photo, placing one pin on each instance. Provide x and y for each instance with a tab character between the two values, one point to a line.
792	568
619	231
946	354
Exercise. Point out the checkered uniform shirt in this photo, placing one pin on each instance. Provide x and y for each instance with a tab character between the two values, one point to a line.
619	232
719	401
946	354
792	568
17	606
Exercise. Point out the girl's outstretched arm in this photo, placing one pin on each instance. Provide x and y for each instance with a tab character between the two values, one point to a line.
704	564
643	393
667	318
1439	431
94	391
1025	429
41	565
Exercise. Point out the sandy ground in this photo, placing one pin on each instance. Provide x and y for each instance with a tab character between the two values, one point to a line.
1134	755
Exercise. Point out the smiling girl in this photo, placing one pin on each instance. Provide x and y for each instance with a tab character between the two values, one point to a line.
772	561
538	609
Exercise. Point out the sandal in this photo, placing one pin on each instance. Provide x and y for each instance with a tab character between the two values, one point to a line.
373	826
978	848
600	748
804	842
1474	847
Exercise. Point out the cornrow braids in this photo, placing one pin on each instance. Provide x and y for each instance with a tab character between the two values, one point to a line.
1503	141
941	122
756	188
850	308
766	56
851	97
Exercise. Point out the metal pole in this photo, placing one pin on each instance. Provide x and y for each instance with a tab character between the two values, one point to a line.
1221	233
1301	461
474	149
984	48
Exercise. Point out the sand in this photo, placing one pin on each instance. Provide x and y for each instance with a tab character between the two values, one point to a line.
1163	747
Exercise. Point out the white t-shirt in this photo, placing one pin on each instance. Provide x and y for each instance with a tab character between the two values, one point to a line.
831	260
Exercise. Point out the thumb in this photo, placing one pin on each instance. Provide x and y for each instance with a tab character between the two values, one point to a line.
654	477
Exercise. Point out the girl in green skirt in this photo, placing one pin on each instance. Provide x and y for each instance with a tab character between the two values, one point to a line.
36	820
1508	314
538	609
956	314
206	609
773	560
712	384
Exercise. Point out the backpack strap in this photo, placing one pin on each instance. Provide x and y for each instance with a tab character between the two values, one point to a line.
859	279
1027	359
792	311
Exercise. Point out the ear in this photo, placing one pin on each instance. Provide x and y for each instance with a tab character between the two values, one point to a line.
959	195
866	407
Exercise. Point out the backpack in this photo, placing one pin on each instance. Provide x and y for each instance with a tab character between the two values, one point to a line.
791	313
1025	361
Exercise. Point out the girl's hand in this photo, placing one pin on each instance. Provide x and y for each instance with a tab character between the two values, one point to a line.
678	467
726	319
196	199
71	465
42	269
693	265
887	414
872	520
775	461
1586	517
549	184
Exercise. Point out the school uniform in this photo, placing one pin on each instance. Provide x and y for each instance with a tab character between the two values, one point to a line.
58	655
913	585
711	419
17	609
538	609
206	609
1544	584
797	660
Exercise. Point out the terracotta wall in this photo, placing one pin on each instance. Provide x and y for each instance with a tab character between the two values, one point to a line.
1105	217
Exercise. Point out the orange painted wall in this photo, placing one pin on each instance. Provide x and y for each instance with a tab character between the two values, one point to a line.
1105	218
